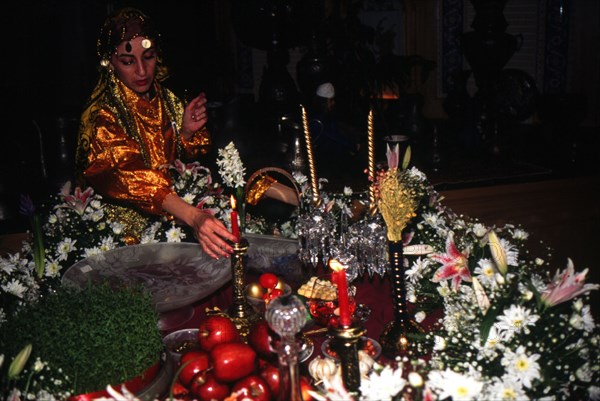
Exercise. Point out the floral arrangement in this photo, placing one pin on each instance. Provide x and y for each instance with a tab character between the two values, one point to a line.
503	327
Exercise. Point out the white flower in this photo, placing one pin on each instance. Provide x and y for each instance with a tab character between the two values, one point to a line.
7	267
230	166
415	379
416	173
520	234
52	219
91	251
479	230
516	319
416	271
439	343
507	388
38	365
594	393
486	273
65	247
452	384
443	289
117	228
189	198
539	261
347	191
382	385
524	367
15	288
420	316
53	268
175	234
106	244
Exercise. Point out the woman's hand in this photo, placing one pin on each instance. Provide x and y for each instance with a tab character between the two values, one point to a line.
211	234
194	116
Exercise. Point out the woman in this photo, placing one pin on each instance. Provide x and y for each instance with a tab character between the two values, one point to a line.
132	126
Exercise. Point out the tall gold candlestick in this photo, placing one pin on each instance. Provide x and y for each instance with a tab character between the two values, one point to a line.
311	159
371	161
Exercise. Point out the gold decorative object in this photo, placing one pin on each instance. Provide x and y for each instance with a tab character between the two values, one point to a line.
345	343
240	311
311	160
371	161
397	205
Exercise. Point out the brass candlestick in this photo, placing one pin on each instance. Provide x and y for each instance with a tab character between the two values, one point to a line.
242	314
345	343
394	338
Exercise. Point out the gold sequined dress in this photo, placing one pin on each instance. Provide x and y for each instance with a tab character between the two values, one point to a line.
122	151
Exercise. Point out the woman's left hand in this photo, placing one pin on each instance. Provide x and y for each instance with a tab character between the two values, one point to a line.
194	116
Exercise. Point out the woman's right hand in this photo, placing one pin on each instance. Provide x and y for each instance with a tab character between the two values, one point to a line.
212	235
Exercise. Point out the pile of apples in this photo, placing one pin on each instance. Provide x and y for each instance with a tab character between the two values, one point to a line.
223	367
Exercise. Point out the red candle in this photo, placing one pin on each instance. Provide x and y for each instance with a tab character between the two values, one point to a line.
235	227
342	287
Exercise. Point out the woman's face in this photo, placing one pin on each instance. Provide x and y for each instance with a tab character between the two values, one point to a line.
134	64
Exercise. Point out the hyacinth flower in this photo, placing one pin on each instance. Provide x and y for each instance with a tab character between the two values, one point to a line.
455	264
27	208
78	200
566	285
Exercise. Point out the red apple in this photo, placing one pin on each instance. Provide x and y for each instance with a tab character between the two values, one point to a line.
192	363
232	361
206	387
270	374
268	280
252	387
259	337
215	330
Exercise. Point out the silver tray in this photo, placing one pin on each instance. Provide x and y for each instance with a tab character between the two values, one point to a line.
176	274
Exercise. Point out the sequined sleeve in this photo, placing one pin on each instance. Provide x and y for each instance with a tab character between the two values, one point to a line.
258	189
197	145
116	168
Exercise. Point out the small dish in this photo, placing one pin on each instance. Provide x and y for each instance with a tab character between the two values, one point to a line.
367	344
180	341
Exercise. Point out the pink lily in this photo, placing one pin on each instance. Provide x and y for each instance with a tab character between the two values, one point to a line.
77	201
454	264
566	285
393	156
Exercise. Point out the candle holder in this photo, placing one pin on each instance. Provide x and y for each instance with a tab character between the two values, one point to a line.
394	338
241	312
345	343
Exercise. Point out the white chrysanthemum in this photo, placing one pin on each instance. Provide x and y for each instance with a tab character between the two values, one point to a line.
7	267
96	204
38	365
416	271
506	388
456	385
443	289
516	319
175	234
584	373
439	343
15	287
486	273
520	234
347	191
117	228
52	268
382	385
512	253
479	230
97	215
594	393
522	366
433	219
52	219
189	198
91	251
414	172
65	247
108	243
